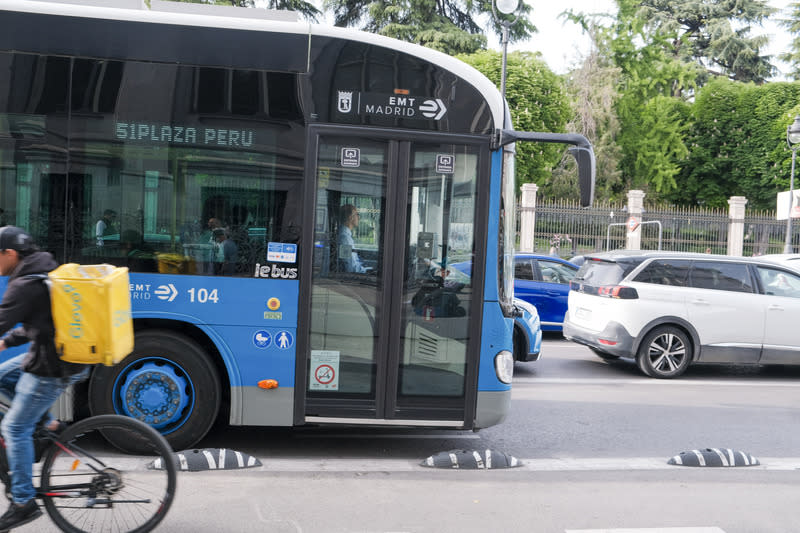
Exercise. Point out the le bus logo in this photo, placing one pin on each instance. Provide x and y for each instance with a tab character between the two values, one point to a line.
274	272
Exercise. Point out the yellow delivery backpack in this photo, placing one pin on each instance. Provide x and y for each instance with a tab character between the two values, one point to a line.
92	313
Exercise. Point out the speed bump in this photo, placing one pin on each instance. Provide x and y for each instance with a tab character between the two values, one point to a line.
716	457
209	459
472	460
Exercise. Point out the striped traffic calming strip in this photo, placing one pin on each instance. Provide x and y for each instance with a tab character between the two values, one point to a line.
209	459
714	457
472	460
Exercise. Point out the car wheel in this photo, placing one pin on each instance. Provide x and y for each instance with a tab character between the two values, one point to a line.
603	355
665	353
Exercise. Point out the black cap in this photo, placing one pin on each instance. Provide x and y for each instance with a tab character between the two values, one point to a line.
14	238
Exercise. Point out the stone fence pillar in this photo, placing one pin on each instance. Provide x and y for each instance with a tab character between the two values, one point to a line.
736	225
527	216
633	239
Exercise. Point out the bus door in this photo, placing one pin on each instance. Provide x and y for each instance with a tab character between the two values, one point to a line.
394	303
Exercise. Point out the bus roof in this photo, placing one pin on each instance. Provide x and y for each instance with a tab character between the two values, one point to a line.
183	14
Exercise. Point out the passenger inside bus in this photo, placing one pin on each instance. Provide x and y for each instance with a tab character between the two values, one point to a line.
349	261
227	254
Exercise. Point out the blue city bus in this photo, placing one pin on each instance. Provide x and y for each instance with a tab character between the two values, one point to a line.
287	198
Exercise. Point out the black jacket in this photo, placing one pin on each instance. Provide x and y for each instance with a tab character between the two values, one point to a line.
27	301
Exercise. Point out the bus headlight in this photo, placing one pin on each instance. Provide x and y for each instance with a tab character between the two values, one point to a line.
504	366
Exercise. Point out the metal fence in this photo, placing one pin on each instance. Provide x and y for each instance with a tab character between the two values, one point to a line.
566	229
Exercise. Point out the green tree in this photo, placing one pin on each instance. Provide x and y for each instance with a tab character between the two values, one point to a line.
593	90
449	26
538	101
650	106
714	33
792	23
735	153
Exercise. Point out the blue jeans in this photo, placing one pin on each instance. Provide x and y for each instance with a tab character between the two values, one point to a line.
31	397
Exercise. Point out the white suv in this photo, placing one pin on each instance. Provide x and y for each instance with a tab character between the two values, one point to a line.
668	309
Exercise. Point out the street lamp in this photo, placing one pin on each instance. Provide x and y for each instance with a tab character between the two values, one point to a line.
792	138
506	7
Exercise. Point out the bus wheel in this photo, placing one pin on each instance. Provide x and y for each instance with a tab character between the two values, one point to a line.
168	381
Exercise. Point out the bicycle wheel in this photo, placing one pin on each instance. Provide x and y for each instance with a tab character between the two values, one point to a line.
86	486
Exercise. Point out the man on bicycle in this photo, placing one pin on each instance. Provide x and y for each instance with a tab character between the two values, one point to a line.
34	380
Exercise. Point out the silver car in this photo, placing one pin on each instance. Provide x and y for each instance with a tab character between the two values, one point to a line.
667	310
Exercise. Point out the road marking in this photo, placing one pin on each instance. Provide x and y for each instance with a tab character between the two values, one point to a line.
650	530
658	382
323	464
361	436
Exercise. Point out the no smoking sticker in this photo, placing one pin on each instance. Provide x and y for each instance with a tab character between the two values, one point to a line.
324	370
325	374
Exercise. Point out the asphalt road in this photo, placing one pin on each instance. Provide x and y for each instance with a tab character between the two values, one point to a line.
594	439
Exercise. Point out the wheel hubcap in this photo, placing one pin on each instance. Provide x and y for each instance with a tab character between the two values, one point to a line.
667	352
154	392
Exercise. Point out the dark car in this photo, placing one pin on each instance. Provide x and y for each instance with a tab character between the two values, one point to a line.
543	281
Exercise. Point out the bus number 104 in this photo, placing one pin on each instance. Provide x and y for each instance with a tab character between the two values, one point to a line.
203	295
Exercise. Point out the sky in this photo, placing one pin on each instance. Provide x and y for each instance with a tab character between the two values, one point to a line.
562	45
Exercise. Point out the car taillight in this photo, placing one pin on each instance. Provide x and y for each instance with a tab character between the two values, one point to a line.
618	291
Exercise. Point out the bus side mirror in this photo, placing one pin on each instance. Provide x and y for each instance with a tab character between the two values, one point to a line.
586	172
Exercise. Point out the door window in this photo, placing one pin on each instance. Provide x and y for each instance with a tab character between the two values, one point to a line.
721	276
523	270
555	272
779	282
347	300
665	272
440	239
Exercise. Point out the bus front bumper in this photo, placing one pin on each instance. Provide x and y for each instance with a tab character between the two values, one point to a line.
492	408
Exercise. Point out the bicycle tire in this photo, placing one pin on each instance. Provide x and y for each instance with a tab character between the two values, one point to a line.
87	488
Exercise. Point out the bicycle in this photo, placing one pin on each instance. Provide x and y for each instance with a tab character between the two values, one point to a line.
84	492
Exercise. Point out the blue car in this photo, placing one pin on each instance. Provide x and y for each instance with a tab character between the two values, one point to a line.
543	281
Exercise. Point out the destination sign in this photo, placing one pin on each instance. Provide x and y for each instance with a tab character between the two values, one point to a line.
173	134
